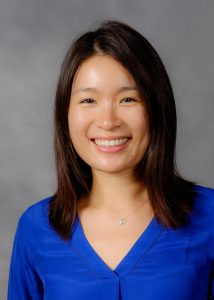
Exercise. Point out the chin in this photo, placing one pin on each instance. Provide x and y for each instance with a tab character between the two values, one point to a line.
107	169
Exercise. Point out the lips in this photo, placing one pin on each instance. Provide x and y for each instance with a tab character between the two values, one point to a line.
110	138
113	142
111	145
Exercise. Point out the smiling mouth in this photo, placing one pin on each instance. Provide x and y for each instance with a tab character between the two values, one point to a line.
110	143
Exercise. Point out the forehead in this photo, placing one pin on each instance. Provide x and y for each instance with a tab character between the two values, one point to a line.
102	71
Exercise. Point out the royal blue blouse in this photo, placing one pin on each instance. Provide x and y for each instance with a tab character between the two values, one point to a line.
163	264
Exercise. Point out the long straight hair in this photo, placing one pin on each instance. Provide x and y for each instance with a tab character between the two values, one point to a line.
171	196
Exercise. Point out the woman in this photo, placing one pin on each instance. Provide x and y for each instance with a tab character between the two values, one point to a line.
123	224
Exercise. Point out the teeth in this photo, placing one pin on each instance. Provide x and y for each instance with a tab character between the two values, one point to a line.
110	143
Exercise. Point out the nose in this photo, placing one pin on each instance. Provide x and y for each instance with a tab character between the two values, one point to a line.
108	117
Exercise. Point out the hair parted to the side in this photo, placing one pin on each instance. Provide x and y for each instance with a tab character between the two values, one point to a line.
171	196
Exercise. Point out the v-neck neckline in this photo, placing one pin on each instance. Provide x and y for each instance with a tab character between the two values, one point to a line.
135	254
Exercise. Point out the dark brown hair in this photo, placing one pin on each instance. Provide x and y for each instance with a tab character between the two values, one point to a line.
171	196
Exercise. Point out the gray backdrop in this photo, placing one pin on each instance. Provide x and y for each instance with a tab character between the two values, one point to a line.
34	36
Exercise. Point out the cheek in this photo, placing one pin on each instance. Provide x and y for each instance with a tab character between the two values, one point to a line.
140	123
77	122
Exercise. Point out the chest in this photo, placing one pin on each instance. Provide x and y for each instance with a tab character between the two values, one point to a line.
163	265
112	242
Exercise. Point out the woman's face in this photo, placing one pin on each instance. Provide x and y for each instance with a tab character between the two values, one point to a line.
107	116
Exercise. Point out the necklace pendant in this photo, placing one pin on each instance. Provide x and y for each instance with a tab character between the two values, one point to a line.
121	221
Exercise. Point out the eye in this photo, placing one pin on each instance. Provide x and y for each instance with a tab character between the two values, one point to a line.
89	100
128	100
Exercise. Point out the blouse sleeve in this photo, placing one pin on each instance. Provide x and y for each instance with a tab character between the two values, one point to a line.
24	282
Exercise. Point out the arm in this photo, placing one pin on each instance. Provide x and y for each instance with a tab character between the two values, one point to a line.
24	282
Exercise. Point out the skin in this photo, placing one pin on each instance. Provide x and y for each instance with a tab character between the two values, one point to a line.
115	192
109	112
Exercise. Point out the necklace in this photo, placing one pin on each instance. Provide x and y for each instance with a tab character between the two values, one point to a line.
123	220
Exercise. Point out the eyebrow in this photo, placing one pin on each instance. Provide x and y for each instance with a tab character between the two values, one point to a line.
121	89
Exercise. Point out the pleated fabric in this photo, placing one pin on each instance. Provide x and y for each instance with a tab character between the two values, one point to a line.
163	264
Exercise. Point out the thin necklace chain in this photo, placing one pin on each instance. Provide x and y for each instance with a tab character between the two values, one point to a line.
123	220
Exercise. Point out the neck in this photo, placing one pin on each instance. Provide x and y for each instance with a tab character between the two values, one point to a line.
116	192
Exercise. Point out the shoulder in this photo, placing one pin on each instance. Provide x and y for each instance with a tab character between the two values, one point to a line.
203	211
204	191
33	219
205	197
37	211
